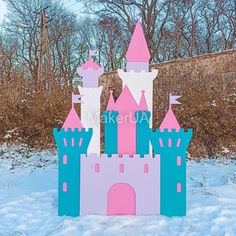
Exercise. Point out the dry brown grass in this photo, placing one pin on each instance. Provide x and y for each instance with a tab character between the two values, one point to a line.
207	85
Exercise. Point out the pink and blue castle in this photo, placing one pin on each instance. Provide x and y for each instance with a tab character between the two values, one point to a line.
142	172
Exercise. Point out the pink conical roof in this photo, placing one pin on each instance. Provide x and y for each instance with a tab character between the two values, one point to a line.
138	49
126	101
170	121
111	102
143	103
72	121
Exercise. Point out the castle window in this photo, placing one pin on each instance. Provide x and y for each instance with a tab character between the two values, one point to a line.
161	142
169	142
96	167
72	142
65	143
178	142
178	161
121	168
64	187
145	168
179	188
80	142
65	159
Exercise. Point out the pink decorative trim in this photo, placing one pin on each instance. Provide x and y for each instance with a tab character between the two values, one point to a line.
121	168
65	159
178	160
64	187
179	188
161	142
178	142
65	143
96	167
72	142
80	141
145	168
90	64
169	142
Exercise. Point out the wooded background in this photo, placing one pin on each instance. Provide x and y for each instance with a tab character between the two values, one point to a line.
33	100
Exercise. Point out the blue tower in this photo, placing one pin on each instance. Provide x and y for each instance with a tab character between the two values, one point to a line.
110	132
142	132
71	144
172	146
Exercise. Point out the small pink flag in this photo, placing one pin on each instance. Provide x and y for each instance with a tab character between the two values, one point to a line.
173	99
76	98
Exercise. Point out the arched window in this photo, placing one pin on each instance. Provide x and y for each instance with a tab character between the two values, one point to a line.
96	167
121	168
145	168
179	161
179	188
65	160
64	187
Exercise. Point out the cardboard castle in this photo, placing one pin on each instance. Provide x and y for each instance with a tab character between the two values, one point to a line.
141	172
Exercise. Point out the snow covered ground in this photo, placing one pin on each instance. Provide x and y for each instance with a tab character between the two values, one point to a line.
28	201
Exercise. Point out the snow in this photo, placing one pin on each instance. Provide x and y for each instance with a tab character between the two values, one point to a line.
28	201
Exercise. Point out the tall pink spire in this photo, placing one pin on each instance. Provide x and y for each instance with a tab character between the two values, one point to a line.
138	54
111	102
143	103
138	49
72	121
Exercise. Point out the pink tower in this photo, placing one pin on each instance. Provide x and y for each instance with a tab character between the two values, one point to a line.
126	106
137	75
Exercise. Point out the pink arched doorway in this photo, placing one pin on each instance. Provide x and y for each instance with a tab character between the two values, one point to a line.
121	200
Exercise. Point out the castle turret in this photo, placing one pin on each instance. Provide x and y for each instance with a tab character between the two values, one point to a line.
137	75
110	127
90	107
72	140
171	143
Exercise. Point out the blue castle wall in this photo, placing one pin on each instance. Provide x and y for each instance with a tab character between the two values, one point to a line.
69	202
172	203
142	132
110	132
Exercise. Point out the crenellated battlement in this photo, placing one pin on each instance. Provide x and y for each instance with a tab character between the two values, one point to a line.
162	140
124	165
138	75
68	138
117	156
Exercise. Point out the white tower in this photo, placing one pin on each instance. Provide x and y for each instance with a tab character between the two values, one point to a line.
137	75
90	106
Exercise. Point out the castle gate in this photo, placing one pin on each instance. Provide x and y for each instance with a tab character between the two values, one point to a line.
121	200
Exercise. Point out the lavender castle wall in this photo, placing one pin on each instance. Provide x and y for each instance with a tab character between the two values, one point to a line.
95	185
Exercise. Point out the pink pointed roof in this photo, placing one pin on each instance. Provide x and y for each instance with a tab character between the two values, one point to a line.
126	102
90	64
170	121
72	121
111	102
138	49
143	103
